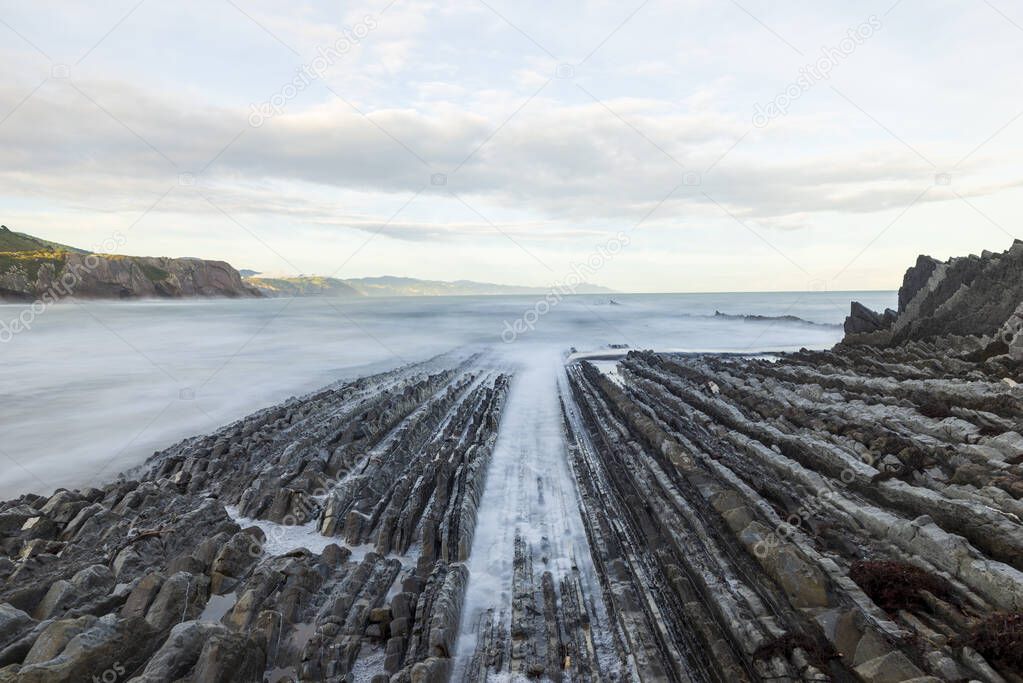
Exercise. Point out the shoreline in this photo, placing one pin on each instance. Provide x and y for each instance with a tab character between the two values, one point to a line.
834	514
153	566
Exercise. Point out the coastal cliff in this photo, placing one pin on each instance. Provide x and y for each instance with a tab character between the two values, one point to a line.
32	269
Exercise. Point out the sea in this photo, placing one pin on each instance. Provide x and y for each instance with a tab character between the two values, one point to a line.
93	388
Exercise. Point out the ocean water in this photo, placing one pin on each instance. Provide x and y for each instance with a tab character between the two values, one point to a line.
93	388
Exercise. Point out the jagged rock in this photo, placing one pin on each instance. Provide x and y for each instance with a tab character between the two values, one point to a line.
890	668
178	654
210	652
142	595
978	296
56	600
229	657
915	279
812	463
862	320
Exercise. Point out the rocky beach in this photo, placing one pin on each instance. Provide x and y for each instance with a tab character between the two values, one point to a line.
851	514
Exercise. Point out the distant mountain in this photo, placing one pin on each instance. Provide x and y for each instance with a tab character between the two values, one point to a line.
389	285
33	268
302	286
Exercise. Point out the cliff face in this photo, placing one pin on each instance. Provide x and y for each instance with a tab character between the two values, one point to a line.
52	275
972	296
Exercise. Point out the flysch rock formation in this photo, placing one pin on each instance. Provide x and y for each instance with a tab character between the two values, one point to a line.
206	565
843	515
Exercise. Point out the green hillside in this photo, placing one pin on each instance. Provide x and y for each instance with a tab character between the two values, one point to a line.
11	241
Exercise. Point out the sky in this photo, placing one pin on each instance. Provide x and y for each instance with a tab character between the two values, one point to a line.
684	145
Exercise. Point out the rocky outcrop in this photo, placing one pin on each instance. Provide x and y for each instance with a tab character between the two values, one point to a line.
976	296
915	279
862	320
843	515
769	319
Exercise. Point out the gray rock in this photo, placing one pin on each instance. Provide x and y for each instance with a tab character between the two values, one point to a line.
13	621
110	644
55	637
180	598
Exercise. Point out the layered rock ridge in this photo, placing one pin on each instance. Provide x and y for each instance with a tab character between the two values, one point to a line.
208	564
852	514
841	515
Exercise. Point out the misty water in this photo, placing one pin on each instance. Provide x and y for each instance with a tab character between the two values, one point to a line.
93	388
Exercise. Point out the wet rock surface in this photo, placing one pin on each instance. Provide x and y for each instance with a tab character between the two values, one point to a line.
207	564
843	515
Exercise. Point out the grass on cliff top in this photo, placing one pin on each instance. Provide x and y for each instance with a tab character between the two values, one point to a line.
27	254
29	262
154	273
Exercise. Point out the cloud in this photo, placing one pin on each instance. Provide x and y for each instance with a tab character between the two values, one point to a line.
587	161
658	118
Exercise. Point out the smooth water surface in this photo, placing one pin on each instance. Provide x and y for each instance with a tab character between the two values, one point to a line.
95	387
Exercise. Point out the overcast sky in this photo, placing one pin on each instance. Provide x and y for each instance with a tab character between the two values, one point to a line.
749	145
